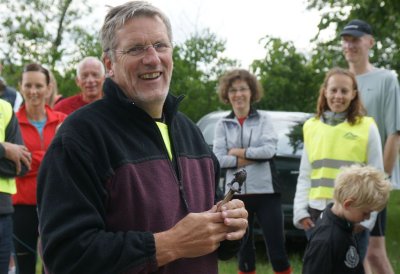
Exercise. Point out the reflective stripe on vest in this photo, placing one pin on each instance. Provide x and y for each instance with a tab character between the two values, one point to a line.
331	147
7	185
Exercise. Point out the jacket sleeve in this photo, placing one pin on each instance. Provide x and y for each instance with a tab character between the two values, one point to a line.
375	156
220	147
12	135
267	142
300	203
72	212
228	249
18	101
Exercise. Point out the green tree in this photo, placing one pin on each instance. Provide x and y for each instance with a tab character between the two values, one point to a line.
50	32
383	15
198	63
288	78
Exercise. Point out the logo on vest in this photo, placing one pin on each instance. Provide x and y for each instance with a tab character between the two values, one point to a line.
350	136
352	257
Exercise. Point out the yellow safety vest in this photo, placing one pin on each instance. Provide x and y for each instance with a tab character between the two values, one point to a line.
7	185
331	147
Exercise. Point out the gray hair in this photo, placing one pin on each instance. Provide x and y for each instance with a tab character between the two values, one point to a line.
86	59
119	15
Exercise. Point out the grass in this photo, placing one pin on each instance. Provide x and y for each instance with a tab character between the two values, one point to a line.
392	230
296	251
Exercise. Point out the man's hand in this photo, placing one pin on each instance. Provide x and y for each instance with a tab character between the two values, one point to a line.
199	234
17	154
235	217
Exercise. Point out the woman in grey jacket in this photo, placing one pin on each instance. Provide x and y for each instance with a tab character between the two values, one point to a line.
246	139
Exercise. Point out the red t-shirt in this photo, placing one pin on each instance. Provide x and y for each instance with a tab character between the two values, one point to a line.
241	120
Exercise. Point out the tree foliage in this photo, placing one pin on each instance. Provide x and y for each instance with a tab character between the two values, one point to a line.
53	33
198	63
49	32
289	81
382	15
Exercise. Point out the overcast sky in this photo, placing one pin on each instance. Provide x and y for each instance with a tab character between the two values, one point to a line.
241	23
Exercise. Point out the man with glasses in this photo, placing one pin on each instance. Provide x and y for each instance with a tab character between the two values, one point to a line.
128	184
89	78
380	94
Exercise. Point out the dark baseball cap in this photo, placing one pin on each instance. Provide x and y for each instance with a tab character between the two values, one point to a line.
356	28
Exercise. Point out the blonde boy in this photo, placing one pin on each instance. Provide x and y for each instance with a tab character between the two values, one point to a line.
359	190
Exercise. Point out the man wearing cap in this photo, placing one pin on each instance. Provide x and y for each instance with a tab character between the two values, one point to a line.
380	94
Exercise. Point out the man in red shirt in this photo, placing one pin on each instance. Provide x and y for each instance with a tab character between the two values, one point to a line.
90	75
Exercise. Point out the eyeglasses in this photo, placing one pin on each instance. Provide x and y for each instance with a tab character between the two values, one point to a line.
138	50
241	89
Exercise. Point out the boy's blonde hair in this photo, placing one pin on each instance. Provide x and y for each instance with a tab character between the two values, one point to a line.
366	185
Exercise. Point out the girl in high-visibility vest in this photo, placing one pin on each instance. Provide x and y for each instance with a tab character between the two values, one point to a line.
339	135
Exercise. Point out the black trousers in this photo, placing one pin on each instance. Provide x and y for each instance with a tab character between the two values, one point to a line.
268	210
25	238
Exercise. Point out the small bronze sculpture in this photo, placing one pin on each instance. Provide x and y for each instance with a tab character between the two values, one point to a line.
240	178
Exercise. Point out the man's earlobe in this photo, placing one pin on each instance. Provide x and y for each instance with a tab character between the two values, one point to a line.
107	61
372	42
108	65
